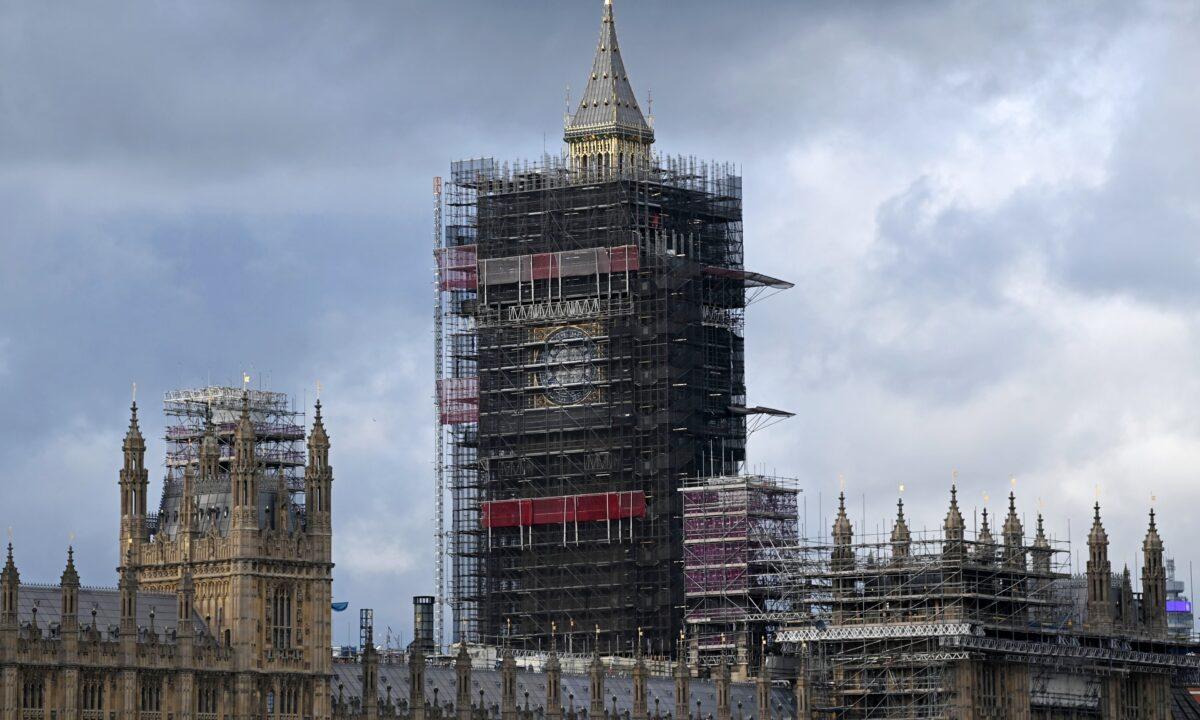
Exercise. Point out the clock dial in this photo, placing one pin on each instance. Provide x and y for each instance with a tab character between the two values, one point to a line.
570	372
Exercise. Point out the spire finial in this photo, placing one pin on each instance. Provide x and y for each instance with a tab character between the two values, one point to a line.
1096	516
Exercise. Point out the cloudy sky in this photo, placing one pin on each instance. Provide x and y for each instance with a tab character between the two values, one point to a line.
991	212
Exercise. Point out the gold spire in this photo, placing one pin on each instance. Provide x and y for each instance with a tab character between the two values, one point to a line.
607	130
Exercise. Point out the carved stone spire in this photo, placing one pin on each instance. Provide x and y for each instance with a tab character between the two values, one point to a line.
607	130
1154	582
901	537
462	686
985	545
1099	576
641	708
245	471
508	686
843	531
134	483
127	587
596	683
682	678
187	507
953	527
184	599
70	593
210	449
1041	549
1014	536
318	478
554	709
10	583
722	687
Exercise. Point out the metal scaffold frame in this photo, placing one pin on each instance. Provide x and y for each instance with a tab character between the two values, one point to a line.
279	435
599	364
736	533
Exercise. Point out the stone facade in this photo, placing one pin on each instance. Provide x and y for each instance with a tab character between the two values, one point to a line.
245	630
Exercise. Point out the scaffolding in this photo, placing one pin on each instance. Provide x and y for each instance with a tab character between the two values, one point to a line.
279	452
737	532
941	624
592	360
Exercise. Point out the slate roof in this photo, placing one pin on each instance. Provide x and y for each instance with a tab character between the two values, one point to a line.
107	603
608	102
349	676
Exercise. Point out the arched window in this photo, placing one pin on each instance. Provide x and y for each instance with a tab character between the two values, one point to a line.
281	618
33	693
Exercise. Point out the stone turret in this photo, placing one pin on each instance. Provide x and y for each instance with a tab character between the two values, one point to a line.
722	688
69	584
1014	537
1099	577
641	708
682	678
901	537
1128	616
10	583
210	450
134	484
462	684
244	479
762	685
416	682
318	478
1154	582
954	529
1041	549
554	709
985	544
508	686
596	683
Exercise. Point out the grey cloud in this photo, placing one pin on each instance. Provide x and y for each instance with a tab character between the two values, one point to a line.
190	191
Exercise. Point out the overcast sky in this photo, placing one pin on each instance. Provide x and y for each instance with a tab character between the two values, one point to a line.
991	212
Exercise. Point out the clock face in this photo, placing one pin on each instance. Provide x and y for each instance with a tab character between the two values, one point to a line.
570	373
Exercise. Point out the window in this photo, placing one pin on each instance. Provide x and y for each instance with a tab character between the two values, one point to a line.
281	618
93	693
151	694
206	697
33	693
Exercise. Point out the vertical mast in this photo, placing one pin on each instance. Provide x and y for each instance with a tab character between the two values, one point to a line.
439	474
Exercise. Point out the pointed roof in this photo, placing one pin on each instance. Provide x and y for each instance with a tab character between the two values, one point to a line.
954	518
841	525
608	104
1039	541
900	531
10	574
70	576
245	427
318	436
133	436
985	535
1013	530
1152	542
1097	536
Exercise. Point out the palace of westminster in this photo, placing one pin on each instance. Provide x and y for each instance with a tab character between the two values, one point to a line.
608	557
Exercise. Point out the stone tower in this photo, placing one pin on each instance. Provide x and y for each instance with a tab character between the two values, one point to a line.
235	541
1154	582
1099	576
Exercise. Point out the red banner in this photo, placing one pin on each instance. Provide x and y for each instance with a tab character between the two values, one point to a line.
564	509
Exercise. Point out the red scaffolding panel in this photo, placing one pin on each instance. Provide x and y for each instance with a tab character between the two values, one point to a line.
564	509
